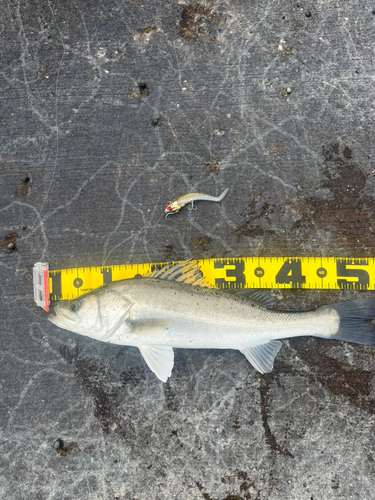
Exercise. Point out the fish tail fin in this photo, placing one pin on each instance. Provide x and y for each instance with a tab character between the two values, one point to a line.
356	321
223	194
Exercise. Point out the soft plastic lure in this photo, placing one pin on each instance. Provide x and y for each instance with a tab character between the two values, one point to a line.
176	206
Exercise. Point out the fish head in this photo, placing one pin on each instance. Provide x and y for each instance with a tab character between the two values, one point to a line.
94	314
172	208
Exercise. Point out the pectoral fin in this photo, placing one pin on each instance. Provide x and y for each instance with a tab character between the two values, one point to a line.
160	360
262	356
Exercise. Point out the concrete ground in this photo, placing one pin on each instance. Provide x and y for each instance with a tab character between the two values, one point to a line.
111	109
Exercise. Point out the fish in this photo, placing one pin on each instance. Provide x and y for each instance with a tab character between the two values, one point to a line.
176	206
171	309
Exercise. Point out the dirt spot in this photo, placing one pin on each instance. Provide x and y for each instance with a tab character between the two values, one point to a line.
254	225
148	30
201	242
70	355
347	153
63	449
242	475
236	425
69	132
283	94
48	71
26	184
9	242
245	484
199	22
266	398
286	49
335	483
143	91
168	251
276	150
206	496
210	165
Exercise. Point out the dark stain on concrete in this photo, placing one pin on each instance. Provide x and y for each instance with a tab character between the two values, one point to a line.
70	354
170	397
168	251
206	496
93	378
266	398
354	384
148	30
199	22
348	214
210	165
236	424
202	242
245	484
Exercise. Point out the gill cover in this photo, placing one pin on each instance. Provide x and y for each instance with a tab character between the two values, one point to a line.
95	315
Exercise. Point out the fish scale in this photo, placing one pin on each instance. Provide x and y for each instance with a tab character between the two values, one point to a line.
217	320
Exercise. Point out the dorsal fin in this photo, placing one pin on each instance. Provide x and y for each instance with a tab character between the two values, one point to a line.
184	272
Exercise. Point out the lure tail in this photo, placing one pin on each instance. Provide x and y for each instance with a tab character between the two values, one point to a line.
223	194
357	321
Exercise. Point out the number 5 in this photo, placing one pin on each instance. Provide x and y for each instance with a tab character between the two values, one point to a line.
361	275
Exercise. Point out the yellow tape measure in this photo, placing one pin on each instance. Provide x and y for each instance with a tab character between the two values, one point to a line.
246	272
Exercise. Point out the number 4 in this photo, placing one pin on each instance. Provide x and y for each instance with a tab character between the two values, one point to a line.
291	273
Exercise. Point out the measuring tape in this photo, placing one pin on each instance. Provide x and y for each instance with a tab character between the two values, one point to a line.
246	272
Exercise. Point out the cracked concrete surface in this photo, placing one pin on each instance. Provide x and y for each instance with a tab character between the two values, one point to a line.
109	111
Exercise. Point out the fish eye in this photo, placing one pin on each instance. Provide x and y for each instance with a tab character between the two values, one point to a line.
74	305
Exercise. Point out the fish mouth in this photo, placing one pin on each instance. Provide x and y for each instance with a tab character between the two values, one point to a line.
62	318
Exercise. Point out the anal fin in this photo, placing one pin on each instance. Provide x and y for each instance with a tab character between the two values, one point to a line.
160	360
262	356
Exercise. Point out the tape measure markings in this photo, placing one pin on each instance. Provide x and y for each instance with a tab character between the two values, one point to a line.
247	272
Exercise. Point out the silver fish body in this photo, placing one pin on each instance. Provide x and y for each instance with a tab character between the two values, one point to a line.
157	315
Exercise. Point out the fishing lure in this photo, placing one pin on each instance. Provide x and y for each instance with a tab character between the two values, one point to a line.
176	206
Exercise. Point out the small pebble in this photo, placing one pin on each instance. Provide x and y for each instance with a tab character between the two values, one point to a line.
155	121
11	246
288	90
308	13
